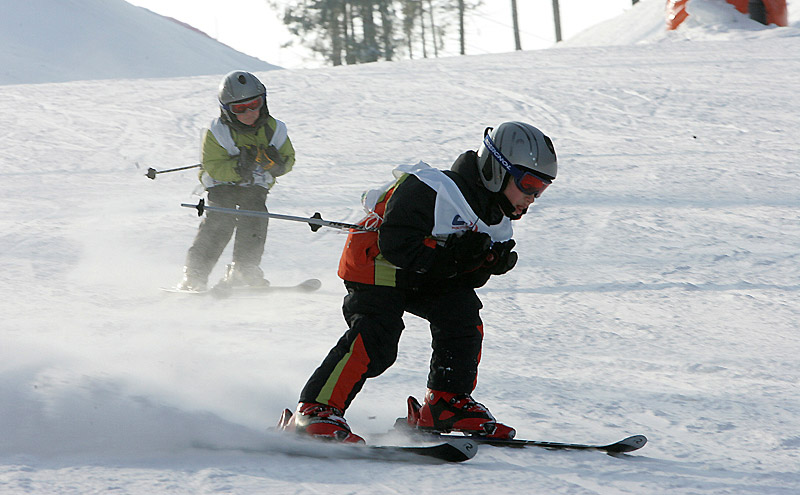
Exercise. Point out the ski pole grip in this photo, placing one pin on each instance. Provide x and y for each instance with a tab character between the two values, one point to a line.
200	207
315	226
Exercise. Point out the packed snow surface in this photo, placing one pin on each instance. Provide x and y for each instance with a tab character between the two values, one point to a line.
656	292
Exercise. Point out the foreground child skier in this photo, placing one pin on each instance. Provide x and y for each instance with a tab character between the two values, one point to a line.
442	234
244	150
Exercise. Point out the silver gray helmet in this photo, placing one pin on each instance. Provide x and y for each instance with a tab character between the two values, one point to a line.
522	145
240	85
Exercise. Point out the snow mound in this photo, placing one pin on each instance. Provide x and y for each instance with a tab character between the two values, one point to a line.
708	20
54	41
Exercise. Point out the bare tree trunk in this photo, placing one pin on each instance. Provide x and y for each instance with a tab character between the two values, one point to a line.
422	25
370	50
409	16
433	29
557	20
515	19
336	35
388	30
461	34
347	22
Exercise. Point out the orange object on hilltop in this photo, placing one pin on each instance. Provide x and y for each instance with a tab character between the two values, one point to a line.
676	13
776	11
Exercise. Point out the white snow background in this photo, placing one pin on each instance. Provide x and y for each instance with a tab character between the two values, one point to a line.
656	292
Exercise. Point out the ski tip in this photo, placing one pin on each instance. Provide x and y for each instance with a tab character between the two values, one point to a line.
177	290
463	449
311	284
629	444
285	420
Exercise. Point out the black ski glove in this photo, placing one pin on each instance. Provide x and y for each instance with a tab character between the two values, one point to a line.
501	258
273	154
469	250
246	163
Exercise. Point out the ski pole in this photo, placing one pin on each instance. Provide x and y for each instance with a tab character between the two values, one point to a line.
315	221
151	172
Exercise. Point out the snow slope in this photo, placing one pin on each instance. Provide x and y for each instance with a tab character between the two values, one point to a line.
656	291
56	41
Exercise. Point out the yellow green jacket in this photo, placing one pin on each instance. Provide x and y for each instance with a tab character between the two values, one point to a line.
220	153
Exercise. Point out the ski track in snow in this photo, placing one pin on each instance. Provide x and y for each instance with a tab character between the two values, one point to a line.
656	291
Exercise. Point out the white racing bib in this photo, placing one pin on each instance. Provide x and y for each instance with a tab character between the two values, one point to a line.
452	213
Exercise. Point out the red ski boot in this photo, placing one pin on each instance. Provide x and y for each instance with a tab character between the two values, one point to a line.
444	412
319	421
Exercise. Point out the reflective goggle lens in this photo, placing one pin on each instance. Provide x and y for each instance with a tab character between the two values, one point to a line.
530	184
244	106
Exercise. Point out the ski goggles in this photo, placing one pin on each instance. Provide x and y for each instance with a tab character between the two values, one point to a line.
243	106
527	182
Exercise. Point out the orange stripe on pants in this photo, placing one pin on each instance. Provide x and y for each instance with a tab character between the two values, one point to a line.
350	370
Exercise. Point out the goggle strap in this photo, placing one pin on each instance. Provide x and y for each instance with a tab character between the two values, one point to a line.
502	160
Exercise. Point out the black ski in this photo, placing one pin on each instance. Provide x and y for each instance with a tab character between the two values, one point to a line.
628	444
222	291
458	449
450	450
408	425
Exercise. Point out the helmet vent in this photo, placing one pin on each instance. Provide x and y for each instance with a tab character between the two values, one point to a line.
549	144
487	169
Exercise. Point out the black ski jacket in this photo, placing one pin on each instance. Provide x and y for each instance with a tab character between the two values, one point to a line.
408	223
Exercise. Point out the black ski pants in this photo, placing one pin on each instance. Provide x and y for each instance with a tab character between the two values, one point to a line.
217	228
375	317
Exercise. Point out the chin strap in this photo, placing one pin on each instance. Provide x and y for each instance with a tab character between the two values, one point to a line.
508	208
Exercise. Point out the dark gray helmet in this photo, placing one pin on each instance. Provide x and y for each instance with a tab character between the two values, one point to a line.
240	85
522	145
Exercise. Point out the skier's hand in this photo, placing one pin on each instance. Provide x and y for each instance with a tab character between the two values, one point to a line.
274	156
246	163
469	250
501	258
